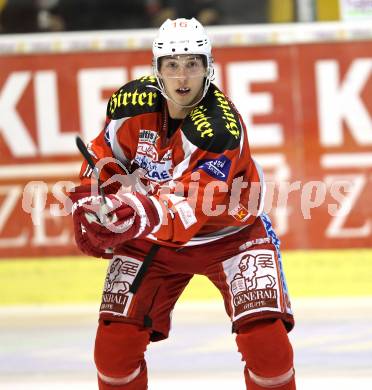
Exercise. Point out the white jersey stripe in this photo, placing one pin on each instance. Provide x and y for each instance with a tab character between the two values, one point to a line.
188	150
112	129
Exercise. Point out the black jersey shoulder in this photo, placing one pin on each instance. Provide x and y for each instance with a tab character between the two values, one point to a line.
135	98
214	123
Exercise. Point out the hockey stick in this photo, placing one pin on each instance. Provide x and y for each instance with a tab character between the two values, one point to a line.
84	151
88	158
148	258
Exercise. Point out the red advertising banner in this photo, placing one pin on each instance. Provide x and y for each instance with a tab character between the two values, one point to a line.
308	109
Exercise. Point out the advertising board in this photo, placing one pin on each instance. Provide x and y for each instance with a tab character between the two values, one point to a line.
307	107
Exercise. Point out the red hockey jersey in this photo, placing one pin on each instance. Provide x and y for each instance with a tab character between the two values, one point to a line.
203	174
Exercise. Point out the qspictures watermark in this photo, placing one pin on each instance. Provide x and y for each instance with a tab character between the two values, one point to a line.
240	198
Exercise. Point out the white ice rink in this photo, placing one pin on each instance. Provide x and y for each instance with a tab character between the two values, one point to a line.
206	383
51	348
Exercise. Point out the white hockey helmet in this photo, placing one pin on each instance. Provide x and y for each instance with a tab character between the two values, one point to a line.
182	36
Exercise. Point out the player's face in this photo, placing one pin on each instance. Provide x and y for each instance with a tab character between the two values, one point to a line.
183	77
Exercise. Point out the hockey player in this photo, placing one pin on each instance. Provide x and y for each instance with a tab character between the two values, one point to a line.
200	193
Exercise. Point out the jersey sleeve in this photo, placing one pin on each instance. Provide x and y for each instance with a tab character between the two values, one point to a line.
216	153
112	157
200	194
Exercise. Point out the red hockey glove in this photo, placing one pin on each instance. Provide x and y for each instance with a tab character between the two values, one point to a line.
85	244
82	239
123	217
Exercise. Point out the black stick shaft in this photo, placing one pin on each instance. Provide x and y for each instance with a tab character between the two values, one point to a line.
84	151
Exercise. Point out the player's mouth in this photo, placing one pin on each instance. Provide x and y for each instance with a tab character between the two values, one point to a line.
183	91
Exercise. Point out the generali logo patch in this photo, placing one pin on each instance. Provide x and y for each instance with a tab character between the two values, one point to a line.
116	297
253	282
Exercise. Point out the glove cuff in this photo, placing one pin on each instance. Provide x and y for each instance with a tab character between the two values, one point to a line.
147	212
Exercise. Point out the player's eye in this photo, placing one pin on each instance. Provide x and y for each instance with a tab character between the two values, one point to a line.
193	64
171	65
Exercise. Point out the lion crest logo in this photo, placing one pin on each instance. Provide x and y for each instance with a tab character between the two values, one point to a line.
247	279
115	282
